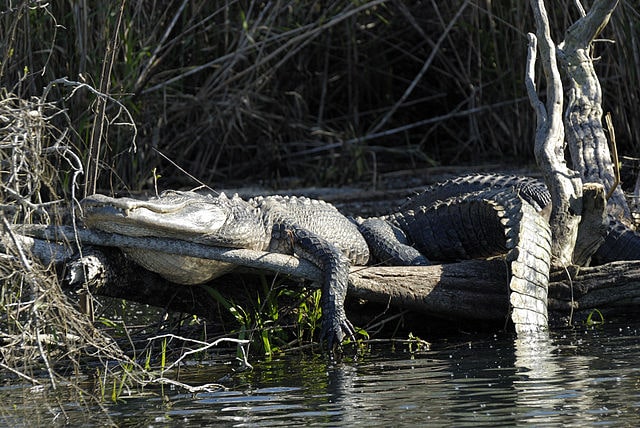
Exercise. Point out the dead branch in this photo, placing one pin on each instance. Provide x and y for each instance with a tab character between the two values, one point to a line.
564	184
586	139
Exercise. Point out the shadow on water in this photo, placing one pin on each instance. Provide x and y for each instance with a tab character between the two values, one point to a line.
571	378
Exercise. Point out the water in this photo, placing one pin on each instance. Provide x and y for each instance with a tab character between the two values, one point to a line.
576	378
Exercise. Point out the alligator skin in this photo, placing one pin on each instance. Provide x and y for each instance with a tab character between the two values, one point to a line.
311	229
318	217
480	224
532	190
621	241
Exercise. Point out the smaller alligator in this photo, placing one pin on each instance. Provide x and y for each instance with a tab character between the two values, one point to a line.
310	229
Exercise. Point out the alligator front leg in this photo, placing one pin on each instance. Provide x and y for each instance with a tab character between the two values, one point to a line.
335	276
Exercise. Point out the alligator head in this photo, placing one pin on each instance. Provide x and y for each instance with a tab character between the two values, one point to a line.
188	216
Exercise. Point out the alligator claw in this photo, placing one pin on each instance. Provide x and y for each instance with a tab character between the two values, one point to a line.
335	331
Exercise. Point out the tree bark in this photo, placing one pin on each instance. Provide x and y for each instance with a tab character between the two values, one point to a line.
564	184
583	118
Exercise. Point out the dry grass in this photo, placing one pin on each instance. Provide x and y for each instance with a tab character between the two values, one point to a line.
40	327
329	92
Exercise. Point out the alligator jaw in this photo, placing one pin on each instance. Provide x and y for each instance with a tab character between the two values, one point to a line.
126	204
169	219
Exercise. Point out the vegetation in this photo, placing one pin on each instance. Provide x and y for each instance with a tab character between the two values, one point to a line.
127	96
326	92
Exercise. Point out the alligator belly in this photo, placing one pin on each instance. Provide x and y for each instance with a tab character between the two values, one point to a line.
179	269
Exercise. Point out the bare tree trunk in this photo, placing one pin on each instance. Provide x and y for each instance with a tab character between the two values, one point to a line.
564	184
577	224
583	118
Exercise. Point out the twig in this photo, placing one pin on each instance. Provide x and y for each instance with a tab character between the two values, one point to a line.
207	387
204	347
20	374
152	59
23	258
403	128
185	172
34	307
614	155
79	85
423	70
305	35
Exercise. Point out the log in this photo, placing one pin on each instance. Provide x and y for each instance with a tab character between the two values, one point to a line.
471	289
467	290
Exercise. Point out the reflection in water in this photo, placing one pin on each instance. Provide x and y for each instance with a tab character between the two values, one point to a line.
572	381
537	386
340	393
570	378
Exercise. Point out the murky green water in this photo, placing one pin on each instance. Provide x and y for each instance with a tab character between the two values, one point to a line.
577	378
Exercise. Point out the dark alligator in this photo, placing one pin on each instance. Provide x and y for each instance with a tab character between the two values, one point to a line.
311	229
475	216
621	241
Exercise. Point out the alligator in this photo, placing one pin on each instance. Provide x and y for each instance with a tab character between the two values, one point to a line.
475	216
310	229
459	219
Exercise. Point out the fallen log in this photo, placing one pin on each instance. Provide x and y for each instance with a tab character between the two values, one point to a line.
468	290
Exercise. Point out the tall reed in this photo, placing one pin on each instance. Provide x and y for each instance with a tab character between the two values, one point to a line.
324	91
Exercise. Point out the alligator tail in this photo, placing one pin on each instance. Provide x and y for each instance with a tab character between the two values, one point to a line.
529	243
485	224
532	190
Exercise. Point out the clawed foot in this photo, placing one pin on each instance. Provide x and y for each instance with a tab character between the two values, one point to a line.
334	330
